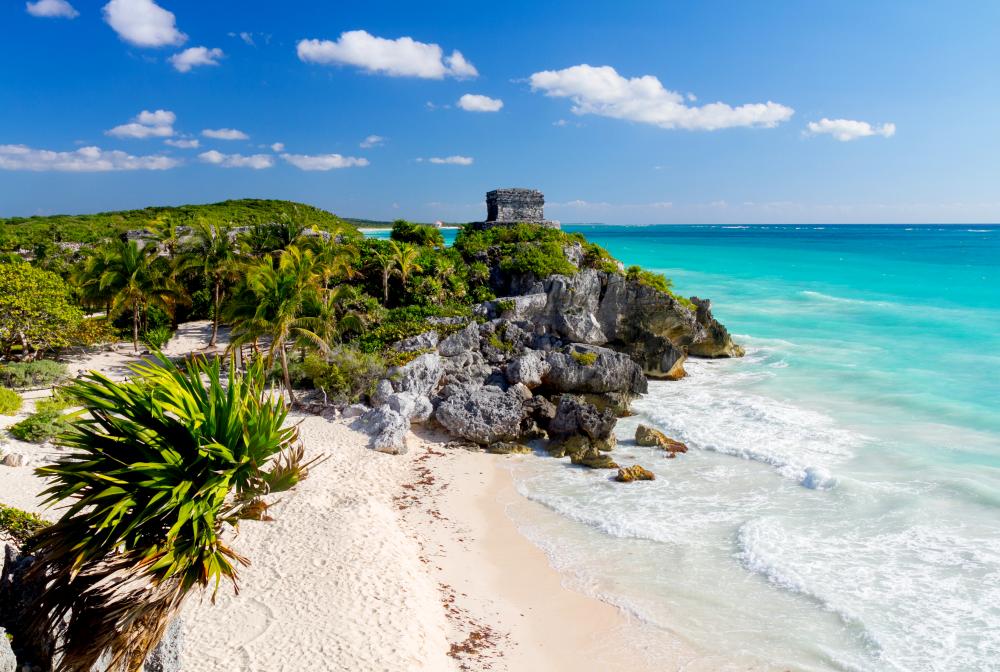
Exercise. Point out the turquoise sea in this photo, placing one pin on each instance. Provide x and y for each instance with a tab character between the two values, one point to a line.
840	506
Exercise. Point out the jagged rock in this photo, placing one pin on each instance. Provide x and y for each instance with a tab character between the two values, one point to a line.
13	460
634	473
485	415
620	403
508	448
383	390
717	341
577	417
425	341
588	368
528	369
594	459
8	663
461	341
166	657
540	409
648	436
415	408
421	376
354	411
387	429
467	368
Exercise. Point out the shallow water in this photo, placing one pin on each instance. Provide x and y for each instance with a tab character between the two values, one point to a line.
840	506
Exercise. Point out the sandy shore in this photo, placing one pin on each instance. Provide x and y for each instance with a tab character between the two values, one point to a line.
381	563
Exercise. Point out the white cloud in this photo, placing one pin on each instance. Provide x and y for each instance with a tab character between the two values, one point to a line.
143	23
473	102
184	143
323	161
602	91
247	38
225	134
195	56
846	130
85	159
403	57
146	124
278	147
52	9
255	161
451	160
372	141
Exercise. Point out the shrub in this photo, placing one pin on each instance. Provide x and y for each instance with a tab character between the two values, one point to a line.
36	312
40	373
10	401
157	337
19	525
40	427
584	358
506	305
345	374
59	401
95	331
540	259
657	281
418	234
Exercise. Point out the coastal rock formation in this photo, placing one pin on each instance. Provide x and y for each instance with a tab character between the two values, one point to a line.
387	429
588	368
421	376
718	342
648	436
485	415
634	473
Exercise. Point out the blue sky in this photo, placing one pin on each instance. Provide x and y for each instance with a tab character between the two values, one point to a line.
629	112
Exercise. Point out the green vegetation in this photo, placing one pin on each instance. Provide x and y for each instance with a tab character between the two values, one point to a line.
19	525
418	234
345	375
10	401
39	427
656	281
156	472
36	311
37	374
27	232
584	358
59	401
157	337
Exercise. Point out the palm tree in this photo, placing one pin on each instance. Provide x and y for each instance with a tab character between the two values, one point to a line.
387	263
133	279
405	255
333	318
214	253
281	293
149	481
334	260
167	235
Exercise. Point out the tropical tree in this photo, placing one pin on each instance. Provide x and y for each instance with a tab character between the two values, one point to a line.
215	254
386	262
151	477
405	256
334	260
281	294
134	279
36	313
331	315
167	233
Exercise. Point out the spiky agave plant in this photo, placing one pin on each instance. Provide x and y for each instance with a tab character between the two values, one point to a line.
157	468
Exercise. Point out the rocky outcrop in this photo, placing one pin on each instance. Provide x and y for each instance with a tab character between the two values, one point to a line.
647	436
387	429
717	342
420	376
425	341
528	369
589	368
484	415
634	473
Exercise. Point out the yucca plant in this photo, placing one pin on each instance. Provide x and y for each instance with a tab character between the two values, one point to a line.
157	468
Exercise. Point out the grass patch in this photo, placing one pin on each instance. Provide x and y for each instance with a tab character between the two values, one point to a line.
19	525
10	401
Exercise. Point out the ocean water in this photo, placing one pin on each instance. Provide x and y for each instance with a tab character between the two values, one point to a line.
840	505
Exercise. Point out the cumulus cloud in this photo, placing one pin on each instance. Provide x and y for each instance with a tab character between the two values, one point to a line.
323	161
183	143
372	141
846	130
195	56
146	124
143	23
255	161
402	57
473	102
225	134
278	146
602	91
52	9
83	160
454	160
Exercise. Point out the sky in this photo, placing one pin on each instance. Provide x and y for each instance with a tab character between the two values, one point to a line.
625	112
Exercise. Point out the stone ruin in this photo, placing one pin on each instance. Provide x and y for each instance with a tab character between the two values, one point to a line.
506	207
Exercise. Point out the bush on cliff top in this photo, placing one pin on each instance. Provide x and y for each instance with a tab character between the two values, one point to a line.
418	234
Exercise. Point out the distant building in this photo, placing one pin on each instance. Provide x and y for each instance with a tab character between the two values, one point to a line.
506	207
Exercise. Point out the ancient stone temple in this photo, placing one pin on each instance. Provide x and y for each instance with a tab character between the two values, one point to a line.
506	207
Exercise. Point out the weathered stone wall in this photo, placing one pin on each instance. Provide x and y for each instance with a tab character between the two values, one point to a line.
515	205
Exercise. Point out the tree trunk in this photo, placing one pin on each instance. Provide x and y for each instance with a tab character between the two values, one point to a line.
135	327
288	379
385	287
215	316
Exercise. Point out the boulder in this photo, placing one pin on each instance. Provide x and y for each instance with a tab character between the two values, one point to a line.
387	429
425	341
8	663
529	369
13	460
593	459
648	436
383	390
588	368
485	415
415	408
354	411
421	376
508	448
577	417
634	473
467	368
461	341
716	342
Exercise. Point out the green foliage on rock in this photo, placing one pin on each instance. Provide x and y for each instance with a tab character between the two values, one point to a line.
656	281
25	375
36	311
10	401
346	375
20	525
584	358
